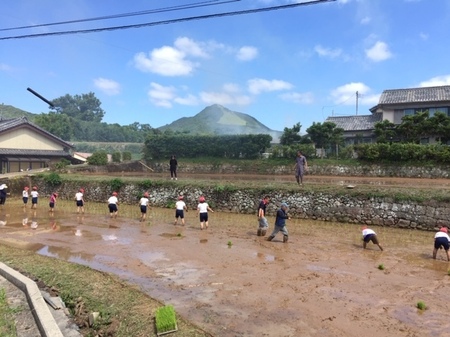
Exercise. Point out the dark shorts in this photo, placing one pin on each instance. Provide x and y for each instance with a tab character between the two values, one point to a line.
51	204
80	203
2	200
143	209
25	200
179	213
203	217
441	242
112	208
34	201
371	237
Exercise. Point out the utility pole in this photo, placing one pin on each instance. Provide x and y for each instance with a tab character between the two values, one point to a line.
357	96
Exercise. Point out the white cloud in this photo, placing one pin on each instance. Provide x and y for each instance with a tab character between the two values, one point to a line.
5	67
187	100
436	81
298	97
161	95
346	94
247	53
190	47
423	36
259	85
365	20
231	87
378	52
109	87
327	52
224	98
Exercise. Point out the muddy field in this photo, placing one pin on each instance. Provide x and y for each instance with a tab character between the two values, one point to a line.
233	283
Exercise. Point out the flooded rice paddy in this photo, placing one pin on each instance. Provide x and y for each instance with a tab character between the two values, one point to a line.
233	283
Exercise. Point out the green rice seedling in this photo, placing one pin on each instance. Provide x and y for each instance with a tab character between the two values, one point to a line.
448	272
179	235
165	320
229	244
381	266
421	305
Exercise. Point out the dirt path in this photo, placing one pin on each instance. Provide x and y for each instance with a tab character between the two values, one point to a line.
321	283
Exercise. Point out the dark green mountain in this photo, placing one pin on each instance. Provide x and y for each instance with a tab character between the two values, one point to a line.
8	112
216	119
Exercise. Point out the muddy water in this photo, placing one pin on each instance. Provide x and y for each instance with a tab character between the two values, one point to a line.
233	283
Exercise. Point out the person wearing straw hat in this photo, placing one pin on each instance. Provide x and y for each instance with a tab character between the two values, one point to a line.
180	207
441	240
370	235
280	223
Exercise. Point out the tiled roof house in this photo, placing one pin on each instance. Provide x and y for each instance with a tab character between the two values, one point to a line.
393	105
26	146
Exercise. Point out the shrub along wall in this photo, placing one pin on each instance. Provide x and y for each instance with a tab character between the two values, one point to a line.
338	207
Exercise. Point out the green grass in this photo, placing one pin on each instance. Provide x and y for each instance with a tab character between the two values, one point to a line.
421	305
7	323
381	266
165	319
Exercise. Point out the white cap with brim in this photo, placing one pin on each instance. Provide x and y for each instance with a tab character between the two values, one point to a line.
283	204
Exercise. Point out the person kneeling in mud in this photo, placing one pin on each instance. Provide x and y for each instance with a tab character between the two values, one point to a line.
370	235
263	225
280	223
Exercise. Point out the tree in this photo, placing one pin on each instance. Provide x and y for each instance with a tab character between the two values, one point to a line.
98	158
325	134
291	136
440	126
58	125
85	107
385	131
414	127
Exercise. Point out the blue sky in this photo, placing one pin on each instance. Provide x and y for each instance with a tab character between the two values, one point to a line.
282	67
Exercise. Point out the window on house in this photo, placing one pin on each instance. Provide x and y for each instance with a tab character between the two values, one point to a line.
408	112
432	111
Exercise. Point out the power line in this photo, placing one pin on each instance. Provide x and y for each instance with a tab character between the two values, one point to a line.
107	17
166	22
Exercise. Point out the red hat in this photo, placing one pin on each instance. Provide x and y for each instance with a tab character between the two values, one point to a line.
114	193
82	190
201	199
443	229
26	188
55	194
34	187
146	194
180	197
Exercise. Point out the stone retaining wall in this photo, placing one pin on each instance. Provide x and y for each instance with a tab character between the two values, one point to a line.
307	205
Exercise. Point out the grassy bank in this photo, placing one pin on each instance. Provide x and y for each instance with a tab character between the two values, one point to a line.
124	309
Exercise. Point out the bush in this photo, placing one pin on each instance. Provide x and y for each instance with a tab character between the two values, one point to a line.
116	157
99	158
62	164
116	184
126	156
53	179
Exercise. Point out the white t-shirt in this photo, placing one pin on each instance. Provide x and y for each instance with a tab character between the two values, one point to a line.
368	231
203	207
143	201
79	196
180	205
25	193
34	194
113	200
442	235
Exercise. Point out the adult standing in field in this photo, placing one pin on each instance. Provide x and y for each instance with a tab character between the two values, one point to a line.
301	166
79	198
173	167
441	240
113	202
262	221
202	211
